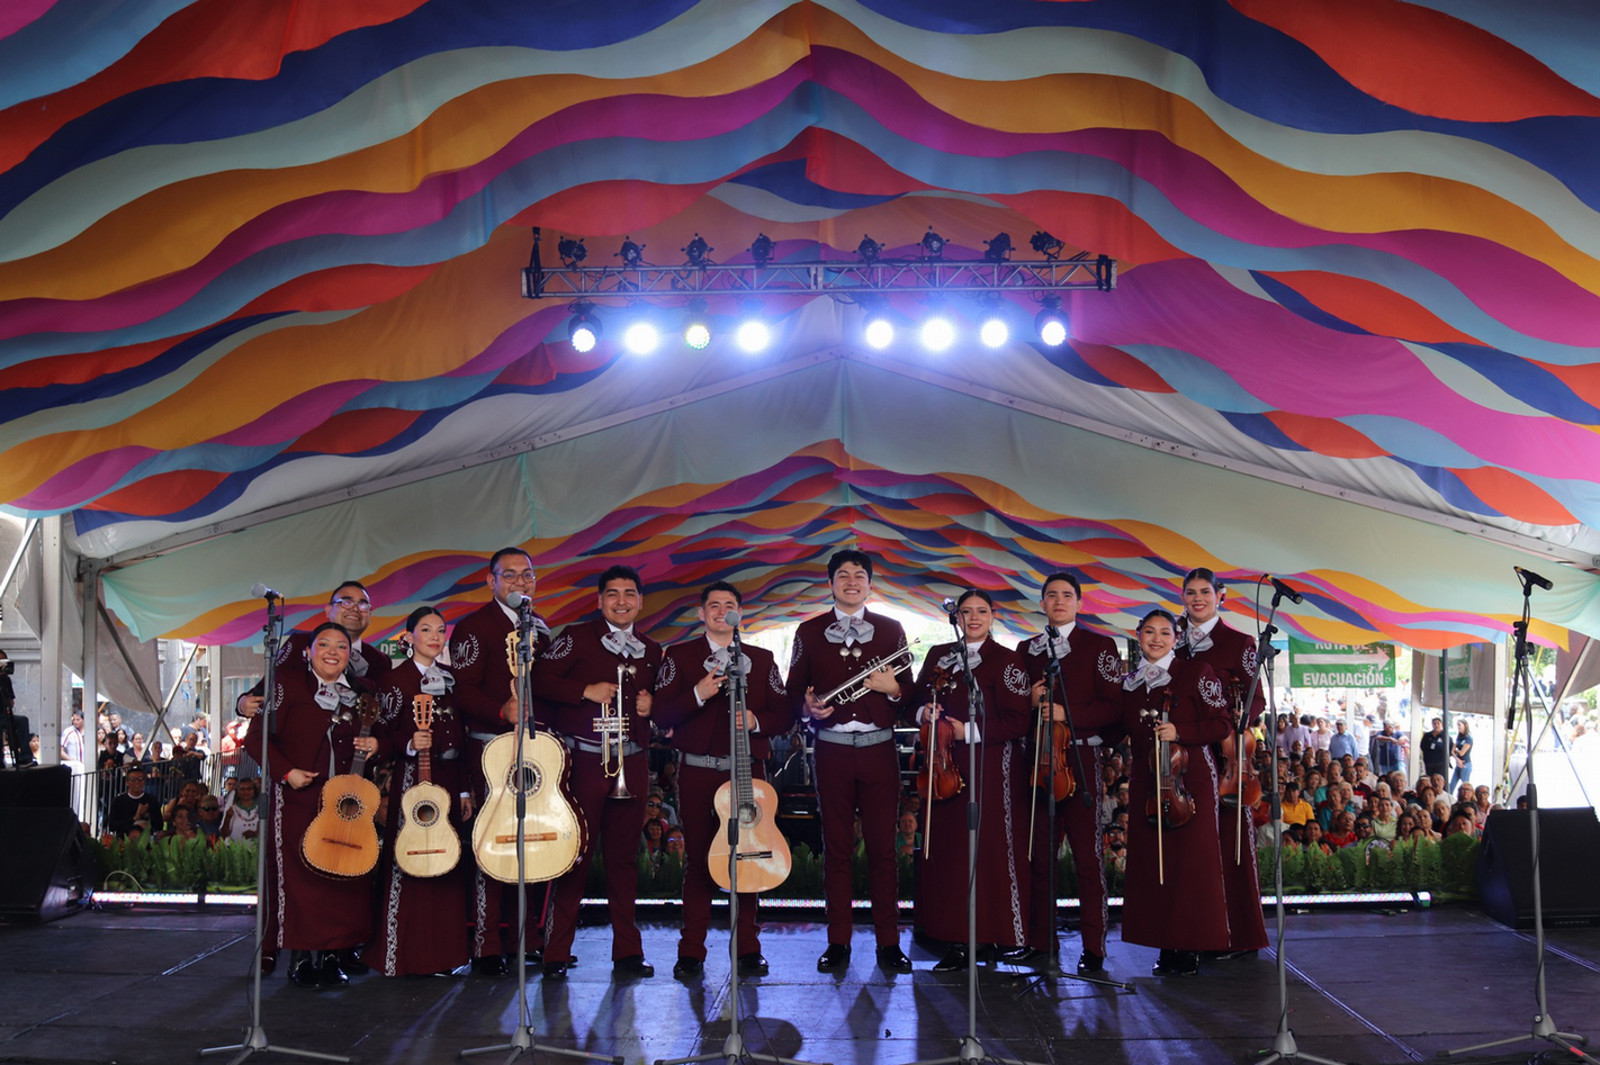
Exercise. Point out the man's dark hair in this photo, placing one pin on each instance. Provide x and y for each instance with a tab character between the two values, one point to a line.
849	554
342	585
494	559
720	586
621	573
1062	575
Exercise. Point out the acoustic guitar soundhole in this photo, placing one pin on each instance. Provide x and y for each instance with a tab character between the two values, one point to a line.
526	778
425	814
349	808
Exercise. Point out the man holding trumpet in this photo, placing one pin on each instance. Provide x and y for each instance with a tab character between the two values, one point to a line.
852	707
593	688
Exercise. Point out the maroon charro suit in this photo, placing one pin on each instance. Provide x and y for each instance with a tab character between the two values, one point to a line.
1091	673
293	651
483	684
1186	910
575	660
1002	884
854	778
1232	657
307	909
702	731
419	927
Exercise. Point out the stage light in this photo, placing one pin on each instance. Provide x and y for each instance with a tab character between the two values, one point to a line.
572	251
696	251
876	326
869	250
938	332
999	248
583	331
1046	244
994	332
641	337
630	253
1050	323
761	250
753	335
697	326
932	245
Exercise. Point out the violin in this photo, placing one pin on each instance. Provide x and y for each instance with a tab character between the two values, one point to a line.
937	775
1239	777
1050	768
1171	806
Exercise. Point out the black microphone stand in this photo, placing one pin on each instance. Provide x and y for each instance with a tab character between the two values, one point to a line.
1283	1044
971	1049
1543	1026
522	1040
255	1037
733	1048
1056	690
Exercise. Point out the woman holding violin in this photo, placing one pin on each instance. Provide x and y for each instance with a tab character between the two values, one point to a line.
949	736
1173	709
1231	655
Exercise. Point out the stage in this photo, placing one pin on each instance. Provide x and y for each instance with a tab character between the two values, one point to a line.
153	986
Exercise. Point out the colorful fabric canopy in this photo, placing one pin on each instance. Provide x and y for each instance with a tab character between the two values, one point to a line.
260	316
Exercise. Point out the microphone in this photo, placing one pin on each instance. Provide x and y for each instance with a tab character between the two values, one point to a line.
949	605
1285	591
732	618
518	601
261	591
1533	578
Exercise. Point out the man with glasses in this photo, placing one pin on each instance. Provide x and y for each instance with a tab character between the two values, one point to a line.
349	607
485	694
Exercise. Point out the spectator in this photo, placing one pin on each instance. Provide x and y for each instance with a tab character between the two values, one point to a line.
1482	804
135	811
1316	789
243	817
1364	831
1384	823
1436	749
674	843
1460	823
1384	752
1296	732
72	743
1461	752
1341	743
908	840
1296	811
1312	833
1116	795
183	824
210	817
656	805
1342	833
1363	779
1321	736
655	832
188	795
1439	816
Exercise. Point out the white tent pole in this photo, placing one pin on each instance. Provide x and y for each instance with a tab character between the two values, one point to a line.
28	532
89	600
214	713
1500	760
52	701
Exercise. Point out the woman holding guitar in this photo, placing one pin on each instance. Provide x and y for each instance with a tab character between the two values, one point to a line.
1173	709
421	926
1002	782
316	714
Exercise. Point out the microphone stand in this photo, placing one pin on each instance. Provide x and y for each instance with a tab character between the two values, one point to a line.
255	1036
1284	1047
971	1049
733	1048
1543	1026
1056	687
522	1040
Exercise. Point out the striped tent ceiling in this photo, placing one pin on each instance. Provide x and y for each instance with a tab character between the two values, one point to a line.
260	315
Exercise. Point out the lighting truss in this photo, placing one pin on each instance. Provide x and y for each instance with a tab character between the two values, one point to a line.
839	278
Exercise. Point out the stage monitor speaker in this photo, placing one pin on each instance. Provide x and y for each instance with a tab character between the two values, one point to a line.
49	868
47	786
798	819
1569	868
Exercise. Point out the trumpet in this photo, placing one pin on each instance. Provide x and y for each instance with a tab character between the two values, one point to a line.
612	724
856	686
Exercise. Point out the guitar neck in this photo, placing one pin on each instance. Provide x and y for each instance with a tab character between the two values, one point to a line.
745	792
358	764
424	766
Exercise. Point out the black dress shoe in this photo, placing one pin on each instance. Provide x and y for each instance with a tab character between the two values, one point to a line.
835	959
350	961
490	965
893	960
269	962
688	969
556	970
1089	963
534	958
302	973
1177	963
954	960
633	967
333	975
1022	955
752	964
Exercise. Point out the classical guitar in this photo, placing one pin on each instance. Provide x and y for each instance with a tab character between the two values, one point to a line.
763	854
551	835
343	840
426	843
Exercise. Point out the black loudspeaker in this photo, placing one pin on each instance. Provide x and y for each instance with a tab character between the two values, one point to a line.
1569	868
37	786
798	819
49	868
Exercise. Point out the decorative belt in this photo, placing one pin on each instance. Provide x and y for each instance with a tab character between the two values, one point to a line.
1092	741
484	737
707	761
856	739
574	743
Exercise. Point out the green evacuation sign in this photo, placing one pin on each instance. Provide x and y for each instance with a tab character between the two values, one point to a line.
1340	665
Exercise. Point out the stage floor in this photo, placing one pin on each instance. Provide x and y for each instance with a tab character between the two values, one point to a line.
152	986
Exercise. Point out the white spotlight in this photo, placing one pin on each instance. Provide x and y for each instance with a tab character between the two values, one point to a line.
753	336
938	333
994	332
641	338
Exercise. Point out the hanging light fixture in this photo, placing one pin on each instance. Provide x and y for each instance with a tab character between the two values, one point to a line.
583	329
1050	323
697	325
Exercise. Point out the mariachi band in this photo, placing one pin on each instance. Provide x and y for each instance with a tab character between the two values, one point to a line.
434	888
